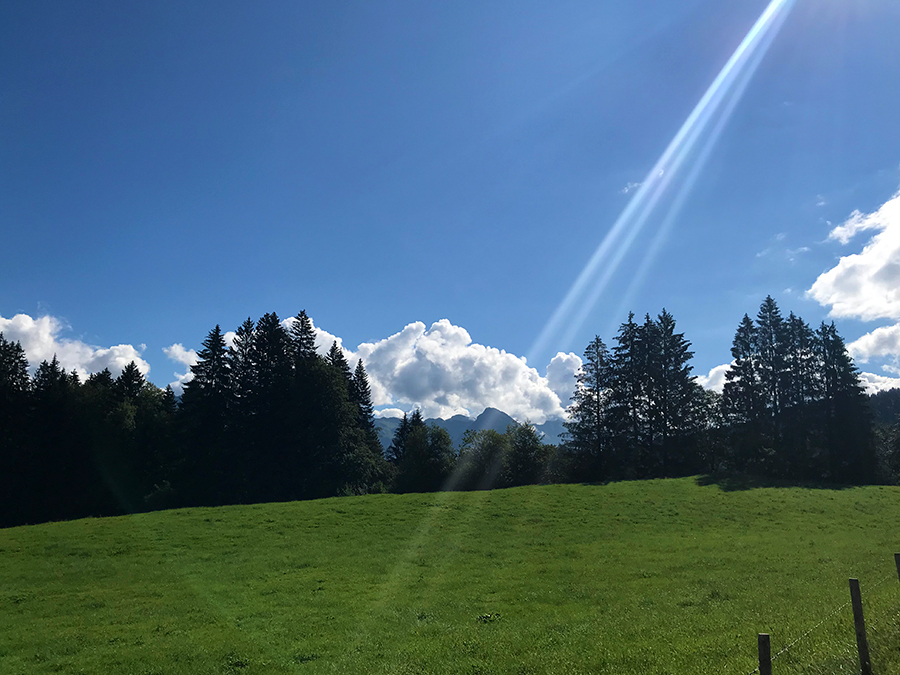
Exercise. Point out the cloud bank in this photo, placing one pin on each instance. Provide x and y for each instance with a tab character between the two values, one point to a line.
187	358
443	372
881	342
561	375
715	379
866	286
42	337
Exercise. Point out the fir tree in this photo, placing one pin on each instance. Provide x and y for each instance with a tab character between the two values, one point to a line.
743	397
242	362
271	347
130	382
15	457
338	361
673	395
60	463
800	389
13	369
586	429
206	409
269	443
398	443
771	359
627	403
361	397
212	372
848	424
303	337
408	424
742	387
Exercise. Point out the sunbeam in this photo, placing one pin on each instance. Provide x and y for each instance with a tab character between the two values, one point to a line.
709	115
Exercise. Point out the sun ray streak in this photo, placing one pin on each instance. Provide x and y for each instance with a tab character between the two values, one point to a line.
743	81
721	97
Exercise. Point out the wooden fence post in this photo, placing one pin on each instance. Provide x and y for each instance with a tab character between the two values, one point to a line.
897	562
765	654
862	644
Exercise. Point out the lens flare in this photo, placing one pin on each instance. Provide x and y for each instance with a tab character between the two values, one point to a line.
705	123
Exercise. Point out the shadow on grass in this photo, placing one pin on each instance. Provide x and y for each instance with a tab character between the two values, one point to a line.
738	481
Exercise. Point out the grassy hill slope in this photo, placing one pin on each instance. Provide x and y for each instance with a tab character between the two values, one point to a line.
639	577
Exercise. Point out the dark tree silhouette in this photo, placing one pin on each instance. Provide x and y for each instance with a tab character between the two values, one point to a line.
426	459
587	434
206	413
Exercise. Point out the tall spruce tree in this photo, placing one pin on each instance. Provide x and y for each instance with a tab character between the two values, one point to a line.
269	408
58	475
799	385
206	410
14	378
272	348
15	388
211	380
408	424
242	361
129	460
627	403
338	361
673	396
771	361
847	417
587	436
395	450
743	398
799	389
303	337
361	397
130	382
14	446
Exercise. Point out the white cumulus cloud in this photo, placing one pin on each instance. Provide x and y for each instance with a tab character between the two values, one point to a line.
875	383
442	371
881	342
561	374
390	412
187	358
715	379
865	285
43	337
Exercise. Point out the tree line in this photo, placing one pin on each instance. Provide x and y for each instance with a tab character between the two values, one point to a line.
268	418
793	406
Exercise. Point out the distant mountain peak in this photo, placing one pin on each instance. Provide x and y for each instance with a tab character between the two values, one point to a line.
458	425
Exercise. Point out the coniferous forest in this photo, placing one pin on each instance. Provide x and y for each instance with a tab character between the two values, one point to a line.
270	419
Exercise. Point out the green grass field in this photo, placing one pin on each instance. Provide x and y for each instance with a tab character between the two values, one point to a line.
639	577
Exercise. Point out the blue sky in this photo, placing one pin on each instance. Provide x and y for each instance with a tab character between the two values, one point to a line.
165	167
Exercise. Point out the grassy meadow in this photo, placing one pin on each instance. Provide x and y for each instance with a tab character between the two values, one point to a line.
667	576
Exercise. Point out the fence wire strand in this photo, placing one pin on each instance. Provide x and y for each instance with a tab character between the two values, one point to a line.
833	613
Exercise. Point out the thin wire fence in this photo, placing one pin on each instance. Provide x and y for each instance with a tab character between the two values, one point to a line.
877	619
